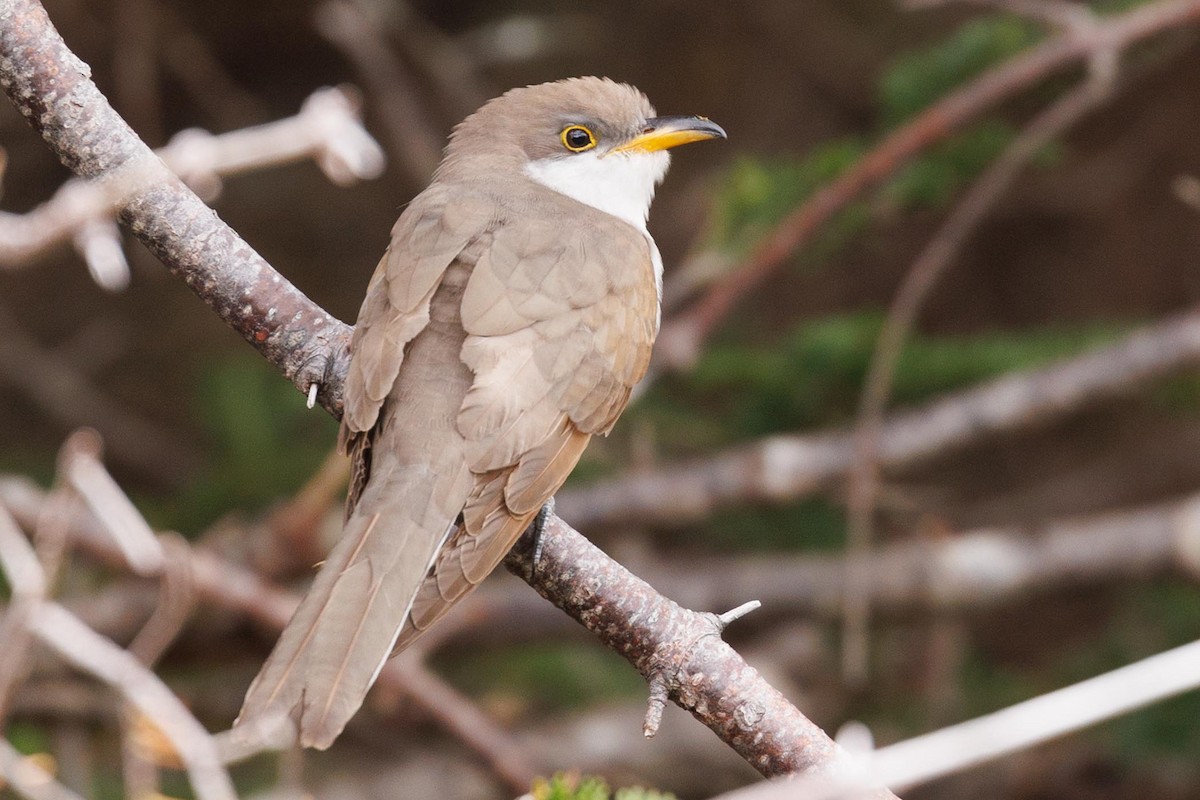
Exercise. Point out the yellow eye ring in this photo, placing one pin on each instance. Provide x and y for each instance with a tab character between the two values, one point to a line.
577	138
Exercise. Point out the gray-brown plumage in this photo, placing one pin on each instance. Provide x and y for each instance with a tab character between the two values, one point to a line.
507	324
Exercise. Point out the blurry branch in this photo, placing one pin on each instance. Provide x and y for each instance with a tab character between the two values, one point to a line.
137	81
925	273
953	574
79	645
1059	13
220	583
50	87
87	650
970	571
25	776
463	719
678	649
81	469
1187	190
412	140
445	62
326	129
784	467
958	747
521	37
684	334
965	572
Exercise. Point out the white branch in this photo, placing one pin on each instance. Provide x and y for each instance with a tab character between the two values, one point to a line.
327	129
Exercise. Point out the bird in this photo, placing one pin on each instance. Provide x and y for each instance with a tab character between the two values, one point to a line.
506	324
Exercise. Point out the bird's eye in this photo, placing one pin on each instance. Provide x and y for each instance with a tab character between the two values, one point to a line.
577	138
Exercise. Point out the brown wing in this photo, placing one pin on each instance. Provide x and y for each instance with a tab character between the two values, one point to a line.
560	323
429	235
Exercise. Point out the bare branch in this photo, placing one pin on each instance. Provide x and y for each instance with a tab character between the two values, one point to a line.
928	269
785	467
52	90
223	584
80	645
87	650
677	649
1059	13
327	129
958	747
79	463
682	336
462	717
28	779
973	570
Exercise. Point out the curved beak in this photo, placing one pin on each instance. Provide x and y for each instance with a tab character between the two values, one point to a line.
662	133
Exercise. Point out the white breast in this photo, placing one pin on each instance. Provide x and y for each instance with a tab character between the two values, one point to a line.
621	184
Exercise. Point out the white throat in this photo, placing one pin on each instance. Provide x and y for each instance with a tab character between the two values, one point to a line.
621	184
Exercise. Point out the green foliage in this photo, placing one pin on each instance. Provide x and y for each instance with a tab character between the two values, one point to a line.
557	675
265	444
28	738
812	525
570	786
813	376
1169	727
757	193
933	179
918	79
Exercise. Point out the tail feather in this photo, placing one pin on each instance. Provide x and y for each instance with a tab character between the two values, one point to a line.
344	630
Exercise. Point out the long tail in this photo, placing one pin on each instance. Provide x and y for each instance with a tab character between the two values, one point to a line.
344	630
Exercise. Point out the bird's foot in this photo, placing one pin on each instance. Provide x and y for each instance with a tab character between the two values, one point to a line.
538	529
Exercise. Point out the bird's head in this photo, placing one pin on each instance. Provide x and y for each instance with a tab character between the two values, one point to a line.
592	139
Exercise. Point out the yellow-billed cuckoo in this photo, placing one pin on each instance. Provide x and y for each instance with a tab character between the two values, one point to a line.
506	324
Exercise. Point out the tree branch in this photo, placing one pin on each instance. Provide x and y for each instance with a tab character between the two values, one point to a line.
926	272
785	467
676	650
684	334
52	89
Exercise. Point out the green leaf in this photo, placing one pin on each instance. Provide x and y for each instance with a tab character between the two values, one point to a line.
916	80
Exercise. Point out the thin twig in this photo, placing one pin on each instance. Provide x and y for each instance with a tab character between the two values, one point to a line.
79	463
959	747
784	467
28	779
51	88
28	585
413	141
177	598
928	269
684	334
1060	13
462	717
80	645
327	130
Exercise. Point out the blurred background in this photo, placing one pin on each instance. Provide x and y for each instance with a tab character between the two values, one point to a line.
1096	237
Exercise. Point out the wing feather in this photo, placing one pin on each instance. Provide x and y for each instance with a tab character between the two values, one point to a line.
559	326
433	231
